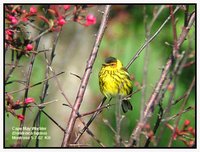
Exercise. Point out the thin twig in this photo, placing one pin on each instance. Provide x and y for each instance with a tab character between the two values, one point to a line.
95	138
85	78
38	83
7	64
18	81
179	99
158	121
46	84
52	120
90	121
13	67
181	110
146	59
174	116
175	53
175	72
109	125
76	75
41	106
40	35
96	110
186	65
113	130
185	30
118	121
29	73
34	26
149	40
186	16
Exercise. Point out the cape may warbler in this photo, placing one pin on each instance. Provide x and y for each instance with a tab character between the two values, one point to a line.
114	80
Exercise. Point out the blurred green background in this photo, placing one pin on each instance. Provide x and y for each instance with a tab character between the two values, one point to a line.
124	35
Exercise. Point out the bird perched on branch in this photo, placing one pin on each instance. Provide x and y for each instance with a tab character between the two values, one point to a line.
114	80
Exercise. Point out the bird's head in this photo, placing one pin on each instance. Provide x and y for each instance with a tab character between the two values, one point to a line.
113	63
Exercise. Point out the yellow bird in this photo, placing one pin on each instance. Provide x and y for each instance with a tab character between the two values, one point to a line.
114	80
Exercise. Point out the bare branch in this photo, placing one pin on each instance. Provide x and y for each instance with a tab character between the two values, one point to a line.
175	53
119	117
38	83
174	116
149	40
76	75
13	67
98	109
90	121
46	84
146	58
158	121
85	78
28	78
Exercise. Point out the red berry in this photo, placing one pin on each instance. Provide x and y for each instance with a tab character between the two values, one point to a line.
29	100
66	7
10	17
61	22
187	122
25	19
33	10
9	32
29	47
20	117
90	20
23	11
14	20
190	129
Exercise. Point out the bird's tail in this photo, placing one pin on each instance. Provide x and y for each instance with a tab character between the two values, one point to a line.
126	106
